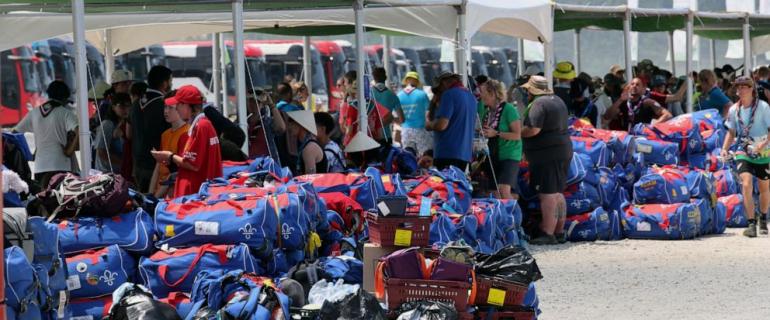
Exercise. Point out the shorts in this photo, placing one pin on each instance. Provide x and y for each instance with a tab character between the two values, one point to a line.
506	172
761	171
548	176
418	139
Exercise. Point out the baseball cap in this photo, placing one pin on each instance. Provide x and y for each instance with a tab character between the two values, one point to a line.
615	68
188	94
121	76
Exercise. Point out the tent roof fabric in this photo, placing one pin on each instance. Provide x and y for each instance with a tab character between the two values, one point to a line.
167	6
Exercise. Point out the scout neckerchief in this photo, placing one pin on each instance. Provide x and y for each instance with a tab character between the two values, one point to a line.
632	109
745	128
494	121
47	107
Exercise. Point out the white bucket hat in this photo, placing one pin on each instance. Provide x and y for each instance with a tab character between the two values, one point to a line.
119	76
306	119
361	142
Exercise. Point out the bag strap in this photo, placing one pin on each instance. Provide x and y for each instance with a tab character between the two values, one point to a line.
208	248
379	280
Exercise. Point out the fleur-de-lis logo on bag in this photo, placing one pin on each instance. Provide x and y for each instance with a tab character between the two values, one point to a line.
286	230
247	231
108	277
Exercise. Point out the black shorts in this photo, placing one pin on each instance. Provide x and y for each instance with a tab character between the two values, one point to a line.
548	176
507	172
761	171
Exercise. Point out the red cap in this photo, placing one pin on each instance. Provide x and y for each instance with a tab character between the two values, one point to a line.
188	94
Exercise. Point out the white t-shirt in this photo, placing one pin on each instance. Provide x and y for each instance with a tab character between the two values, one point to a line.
50	136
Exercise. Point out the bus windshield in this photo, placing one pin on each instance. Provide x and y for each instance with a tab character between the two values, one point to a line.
31	81
256	72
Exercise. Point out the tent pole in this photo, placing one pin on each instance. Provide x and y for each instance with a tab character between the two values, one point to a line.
672	53
240	70
520	57
576	45
688	61
223	75
109	55
2	257
81	97
216	81
386	56
358	9
747	47
464	50
548	63
627	44
712	45
307	58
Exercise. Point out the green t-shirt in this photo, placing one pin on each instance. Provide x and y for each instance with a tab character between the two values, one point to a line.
507	149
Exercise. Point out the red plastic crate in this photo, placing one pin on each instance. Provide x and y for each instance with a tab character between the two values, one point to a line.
399	291
514	292
401	231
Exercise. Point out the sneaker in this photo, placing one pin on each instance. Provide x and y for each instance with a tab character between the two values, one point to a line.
545	239
561	237
751	230
763	226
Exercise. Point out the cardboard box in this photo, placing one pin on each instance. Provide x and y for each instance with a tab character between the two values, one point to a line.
372	254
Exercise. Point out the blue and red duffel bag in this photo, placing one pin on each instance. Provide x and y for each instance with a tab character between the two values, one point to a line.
620	143
710	117
706	215
180	301
727	183
357	185
581	198
684	131
449	186
233	188
294	215
661	221
132	231
166	272
91	308
594	225
96	273
709	161
594	148
713	139
661	186
657	152
720	218
497	228
581	168
735	212
248	220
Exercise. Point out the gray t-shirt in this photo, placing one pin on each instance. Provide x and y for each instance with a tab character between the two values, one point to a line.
549	113
105	140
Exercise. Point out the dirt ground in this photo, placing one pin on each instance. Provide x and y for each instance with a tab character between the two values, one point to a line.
715	277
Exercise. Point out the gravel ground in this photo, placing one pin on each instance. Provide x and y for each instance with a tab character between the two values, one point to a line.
715	277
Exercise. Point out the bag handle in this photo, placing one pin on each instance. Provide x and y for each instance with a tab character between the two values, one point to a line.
379	280
208	248
474	286
188	208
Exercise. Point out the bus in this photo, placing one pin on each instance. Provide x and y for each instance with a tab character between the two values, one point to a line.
20	88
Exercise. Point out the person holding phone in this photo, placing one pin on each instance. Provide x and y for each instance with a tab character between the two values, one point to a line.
260	107
501	125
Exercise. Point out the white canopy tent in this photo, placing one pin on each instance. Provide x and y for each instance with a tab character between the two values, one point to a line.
455	20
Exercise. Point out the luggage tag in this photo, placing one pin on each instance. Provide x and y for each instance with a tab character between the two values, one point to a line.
496	297
425	206
403	238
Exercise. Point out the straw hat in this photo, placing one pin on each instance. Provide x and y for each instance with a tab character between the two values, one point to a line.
119	76
361	142
412	75
305	119
565	71
97	92
537	86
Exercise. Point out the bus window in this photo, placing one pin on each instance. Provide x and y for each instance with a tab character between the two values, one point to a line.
255	72
10	97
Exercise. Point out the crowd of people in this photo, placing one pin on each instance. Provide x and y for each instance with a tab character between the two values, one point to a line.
167	142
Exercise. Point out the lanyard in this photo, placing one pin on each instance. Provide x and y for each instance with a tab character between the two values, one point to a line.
745	128
632	109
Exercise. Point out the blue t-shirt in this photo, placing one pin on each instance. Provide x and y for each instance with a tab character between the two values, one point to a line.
287	106
387	99
415	105
459	106
759	126
714	99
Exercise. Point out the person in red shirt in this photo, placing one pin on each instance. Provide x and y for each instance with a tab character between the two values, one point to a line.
201	159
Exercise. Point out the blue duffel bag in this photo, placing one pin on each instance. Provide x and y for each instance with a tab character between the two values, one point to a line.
132	231
96	273
594	148
577	168
726	183
236	294
657	152
49	263
661	186
720	218
735	212
608	186
661	221
706	215
442	230
701	185
166	272
591	226
21	286
249	220
91	308
581	198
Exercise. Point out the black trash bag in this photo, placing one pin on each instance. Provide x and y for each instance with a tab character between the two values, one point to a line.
426	310
359	306
512	263
137	304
